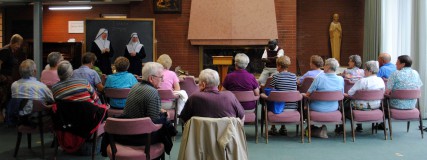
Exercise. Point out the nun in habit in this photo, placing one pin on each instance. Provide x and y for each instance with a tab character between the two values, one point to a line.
135	52
103	51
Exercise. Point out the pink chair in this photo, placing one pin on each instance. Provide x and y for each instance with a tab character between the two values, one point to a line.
288	117
371	116
405	115
335	117
189	85
42	127
116	93
347	85
135	126
250	117
167	95
306	84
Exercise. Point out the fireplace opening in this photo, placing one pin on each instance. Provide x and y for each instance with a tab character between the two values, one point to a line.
254	53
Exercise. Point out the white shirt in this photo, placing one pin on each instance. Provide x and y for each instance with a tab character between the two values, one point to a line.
279	54
368	83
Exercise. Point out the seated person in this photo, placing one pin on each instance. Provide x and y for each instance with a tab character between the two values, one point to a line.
86	72
242	80
29	88
282	81
121	79
370	82
144	101
50	75
210	102
328	81
353	72
404	78
316	62
386	67
171	82
72	89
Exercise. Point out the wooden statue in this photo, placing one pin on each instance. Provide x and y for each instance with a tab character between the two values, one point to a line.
335	34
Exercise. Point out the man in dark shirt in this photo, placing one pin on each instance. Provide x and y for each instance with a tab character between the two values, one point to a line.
9	65
209	102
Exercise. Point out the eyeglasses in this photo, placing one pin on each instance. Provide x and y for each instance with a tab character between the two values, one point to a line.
161	77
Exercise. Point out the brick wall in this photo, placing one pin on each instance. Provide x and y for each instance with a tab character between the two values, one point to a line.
286	16
314	18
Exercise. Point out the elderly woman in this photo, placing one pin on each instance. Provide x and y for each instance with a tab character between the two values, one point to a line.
81	89
353	72
170	80
370	82
315	63
50	75
121	79
404	78
282	81
242	80
215	104
328	81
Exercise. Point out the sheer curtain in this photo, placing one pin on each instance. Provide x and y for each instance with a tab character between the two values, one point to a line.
404	31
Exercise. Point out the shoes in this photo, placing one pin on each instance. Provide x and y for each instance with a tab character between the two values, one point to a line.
339	130
323	132
381	126
359	128
283	131
273	131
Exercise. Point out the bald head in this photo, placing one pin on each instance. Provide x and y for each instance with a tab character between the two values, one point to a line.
384	58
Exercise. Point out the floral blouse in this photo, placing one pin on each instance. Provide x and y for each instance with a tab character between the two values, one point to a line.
406	78
354	73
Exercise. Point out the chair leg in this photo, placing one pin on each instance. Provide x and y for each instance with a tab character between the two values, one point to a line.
256	129
18	142
94	144
29	140
407	126
353	134
297	130
373	127
55	140
266	132
42	142
389	126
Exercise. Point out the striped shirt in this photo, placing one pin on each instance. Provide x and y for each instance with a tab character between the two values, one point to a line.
75	89
285	81
143	101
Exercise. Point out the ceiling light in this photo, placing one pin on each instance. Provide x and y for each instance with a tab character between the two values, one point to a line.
70	7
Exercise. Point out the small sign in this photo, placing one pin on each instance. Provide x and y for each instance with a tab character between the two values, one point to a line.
75	26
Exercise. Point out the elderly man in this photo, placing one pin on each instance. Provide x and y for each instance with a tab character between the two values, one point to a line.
86	72
242	80
29	88
269	57
144	101
209	102
386	68
328	81
9	64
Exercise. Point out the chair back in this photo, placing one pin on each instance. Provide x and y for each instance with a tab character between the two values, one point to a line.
327	96
166	94
306	84
103	79
245	96
268	82
368	95
39	106
284	96
132	126
405	94
189	85
116	92
347	85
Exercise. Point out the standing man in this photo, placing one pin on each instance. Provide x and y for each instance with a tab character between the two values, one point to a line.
9	65
386	68
269	57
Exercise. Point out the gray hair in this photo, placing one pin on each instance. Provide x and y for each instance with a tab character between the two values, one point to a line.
372	66
241	60
65	70
210	77
357	60
332	63
151	68
27	69
53	58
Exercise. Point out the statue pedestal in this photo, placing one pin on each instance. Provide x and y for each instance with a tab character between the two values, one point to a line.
222	62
